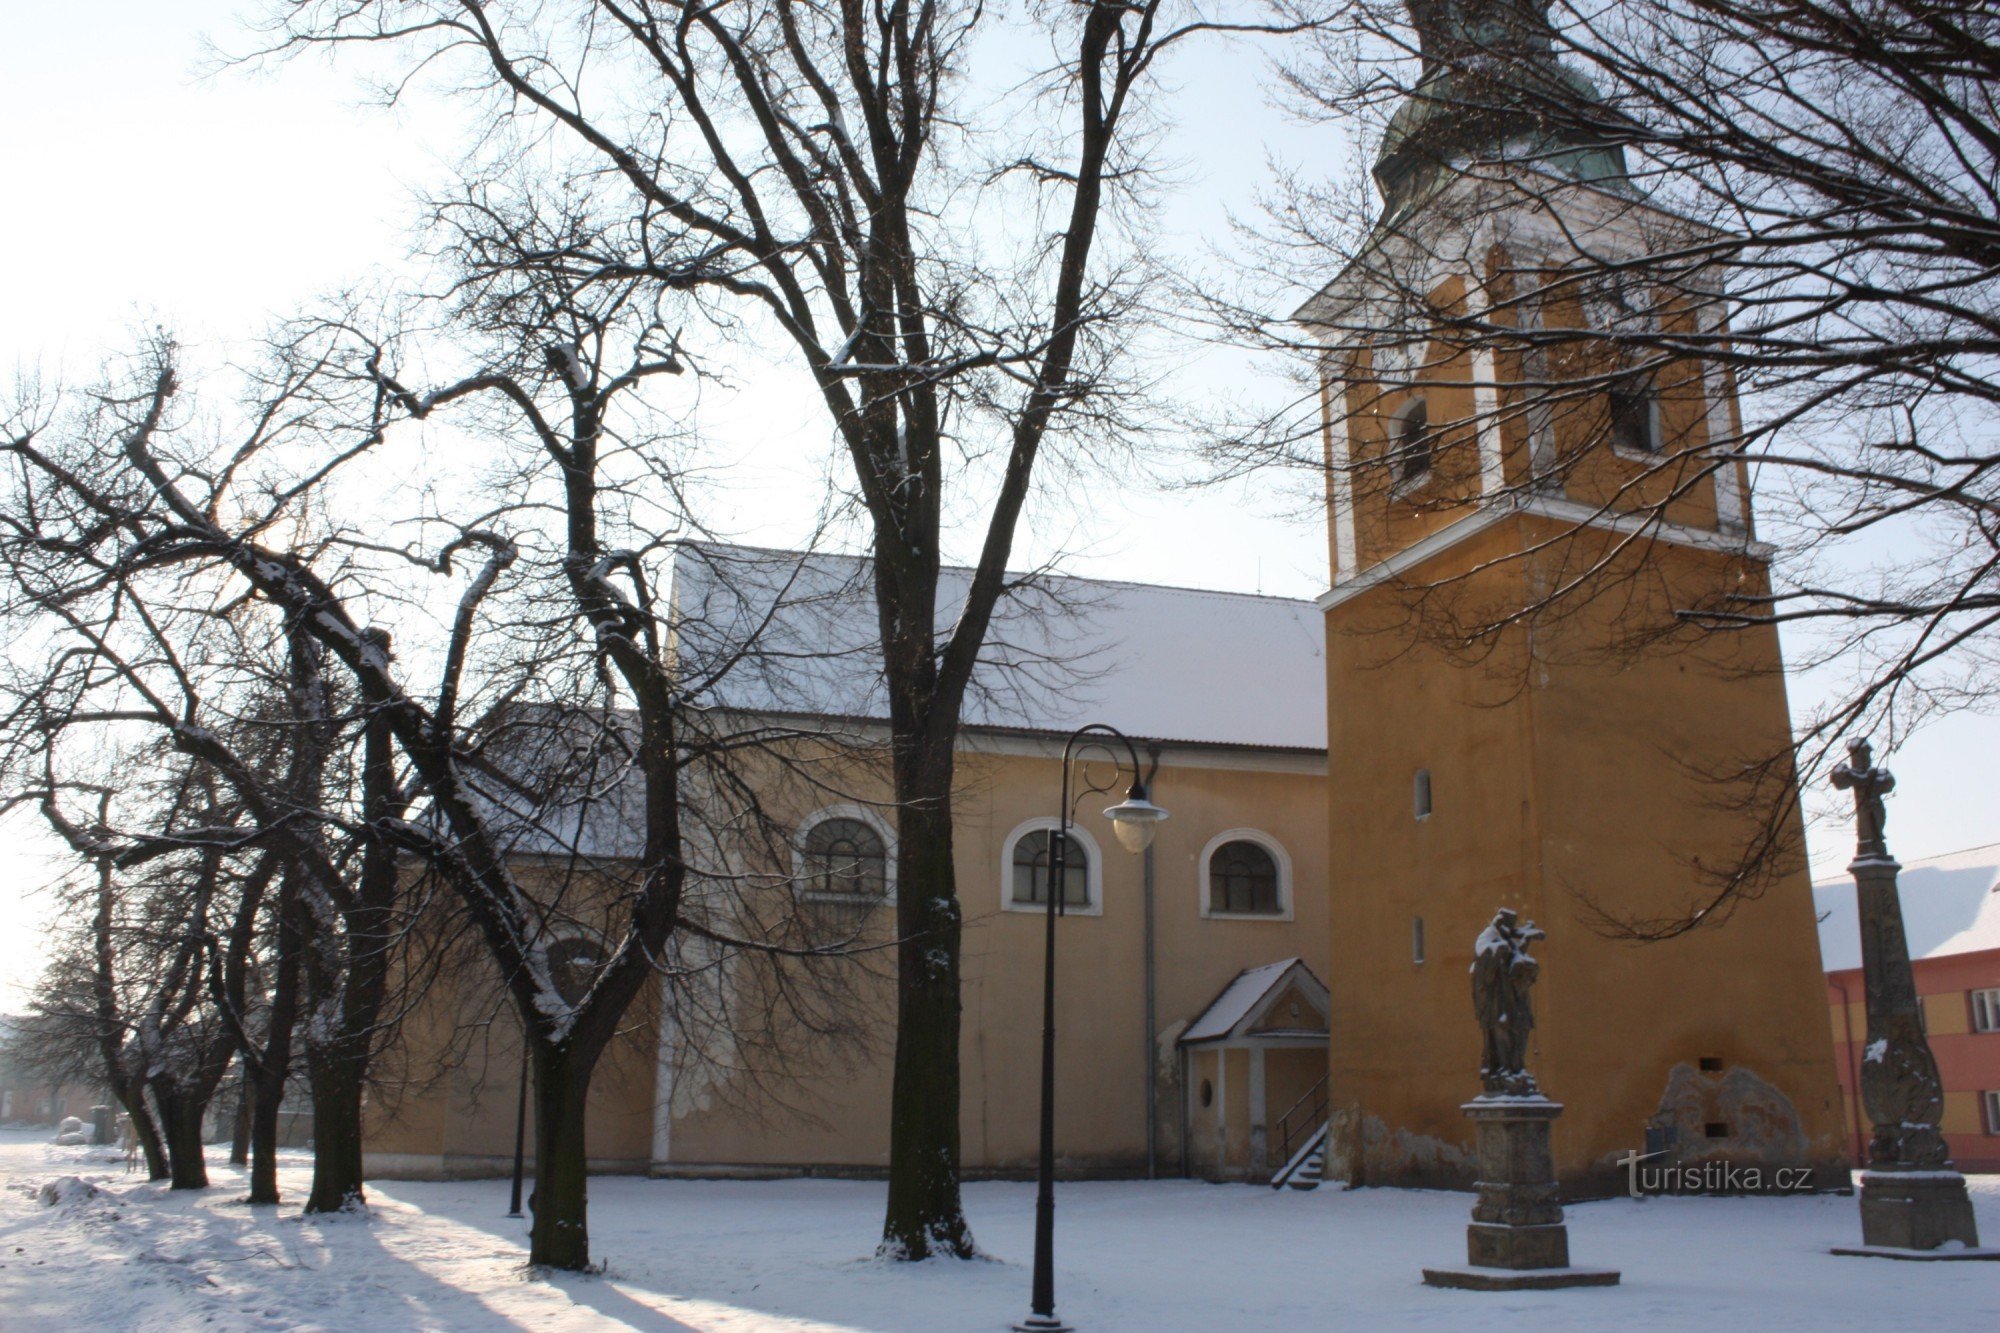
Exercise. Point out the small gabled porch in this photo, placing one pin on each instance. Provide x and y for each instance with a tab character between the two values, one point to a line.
1253	1067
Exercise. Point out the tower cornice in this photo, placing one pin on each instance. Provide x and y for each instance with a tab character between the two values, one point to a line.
1573	515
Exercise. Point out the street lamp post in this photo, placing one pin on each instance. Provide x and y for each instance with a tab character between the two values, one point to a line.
1132	820
520	1128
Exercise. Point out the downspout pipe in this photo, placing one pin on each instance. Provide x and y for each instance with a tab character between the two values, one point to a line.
1152	1020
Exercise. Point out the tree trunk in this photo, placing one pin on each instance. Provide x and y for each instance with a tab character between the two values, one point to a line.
925	1215
560	1236
131	1095
266	1104
239	1137
180	1122
336	1096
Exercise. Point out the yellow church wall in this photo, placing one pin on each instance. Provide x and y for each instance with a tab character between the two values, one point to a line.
1628	757
1101	1039
828	1109
1404	1051
445	1091
1552	777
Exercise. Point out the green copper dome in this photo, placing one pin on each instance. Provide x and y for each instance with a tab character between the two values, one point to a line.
1491	89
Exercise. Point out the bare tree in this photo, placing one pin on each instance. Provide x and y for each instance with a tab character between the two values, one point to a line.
1723	240
955	271
175	912
552	758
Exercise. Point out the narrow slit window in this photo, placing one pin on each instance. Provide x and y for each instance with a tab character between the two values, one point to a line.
1421	793
1416	939
1412	441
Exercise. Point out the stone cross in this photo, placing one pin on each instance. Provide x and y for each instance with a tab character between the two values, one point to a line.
1911	1199
1869	785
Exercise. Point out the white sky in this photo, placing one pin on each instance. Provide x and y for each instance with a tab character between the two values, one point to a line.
143	193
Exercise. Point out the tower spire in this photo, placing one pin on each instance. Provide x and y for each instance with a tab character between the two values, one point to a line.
1491	88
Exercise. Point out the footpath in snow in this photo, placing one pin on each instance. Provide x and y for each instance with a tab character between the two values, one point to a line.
724	1256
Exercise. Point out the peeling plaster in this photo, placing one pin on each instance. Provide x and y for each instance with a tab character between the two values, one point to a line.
1763	1124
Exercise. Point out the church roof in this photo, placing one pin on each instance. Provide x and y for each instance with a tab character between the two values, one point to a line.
1951	905
1172	664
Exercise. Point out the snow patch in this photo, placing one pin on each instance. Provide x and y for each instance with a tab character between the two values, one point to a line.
64	1191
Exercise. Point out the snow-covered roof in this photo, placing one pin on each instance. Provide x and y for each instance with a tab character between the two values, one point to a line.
1951	905
1163	663
1241	998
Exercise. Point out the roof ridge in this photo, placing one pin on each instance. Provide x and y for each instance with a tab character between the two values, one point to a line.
1018	574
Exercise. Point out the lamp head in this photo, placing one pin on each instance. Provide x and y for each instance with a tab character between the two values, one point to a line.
1133	819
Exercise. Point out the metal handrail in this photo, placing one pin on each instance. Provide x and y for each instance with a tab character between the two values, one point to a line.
1289	1131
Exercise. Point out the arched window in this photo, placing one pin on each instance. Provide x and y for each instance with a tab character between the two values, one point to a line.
1246	873
573	963
1410	440
1242	879
1032	869
841	856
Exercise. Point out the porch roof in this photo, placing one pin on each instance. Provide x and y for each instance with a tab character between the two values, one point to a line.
1244	1001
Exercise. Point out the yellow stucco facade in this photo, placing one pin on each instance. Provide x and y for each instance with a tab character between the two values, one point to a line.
667	1110
1584	765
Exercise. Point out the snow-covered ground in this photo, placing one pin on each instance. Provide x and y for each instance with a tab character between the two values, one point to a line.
795	1255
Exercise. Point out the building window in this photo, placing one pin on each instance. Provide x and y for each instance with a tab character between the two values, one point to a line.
1420	792
1416	939
1635	417
1991	1101
1033	865
1410	442
573	963
1243	879
1986	1010
1245	873
844	855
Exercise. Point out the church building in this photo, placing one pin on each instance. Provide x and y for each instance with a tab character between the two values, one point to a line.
1278	988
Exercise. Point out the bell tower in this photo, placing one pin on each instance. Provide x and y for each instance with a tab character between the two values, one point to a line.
1523	505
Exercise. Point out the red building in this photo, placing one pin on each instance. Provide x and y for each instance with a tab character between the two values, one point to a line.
1951	912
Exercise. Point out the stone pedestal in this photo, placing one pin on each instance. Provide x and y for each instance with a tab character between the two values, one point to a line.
103	1125
1916	1215
1517	1240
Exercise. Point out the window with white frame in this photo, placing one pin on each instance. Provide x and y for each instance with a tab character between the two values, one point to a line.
1246	873
1992	1104
842	854
1032	862
1986	1010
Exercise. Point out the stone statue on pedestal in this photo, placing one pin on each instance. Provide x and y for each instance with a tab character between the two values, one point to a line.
1502	972
1517	1240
